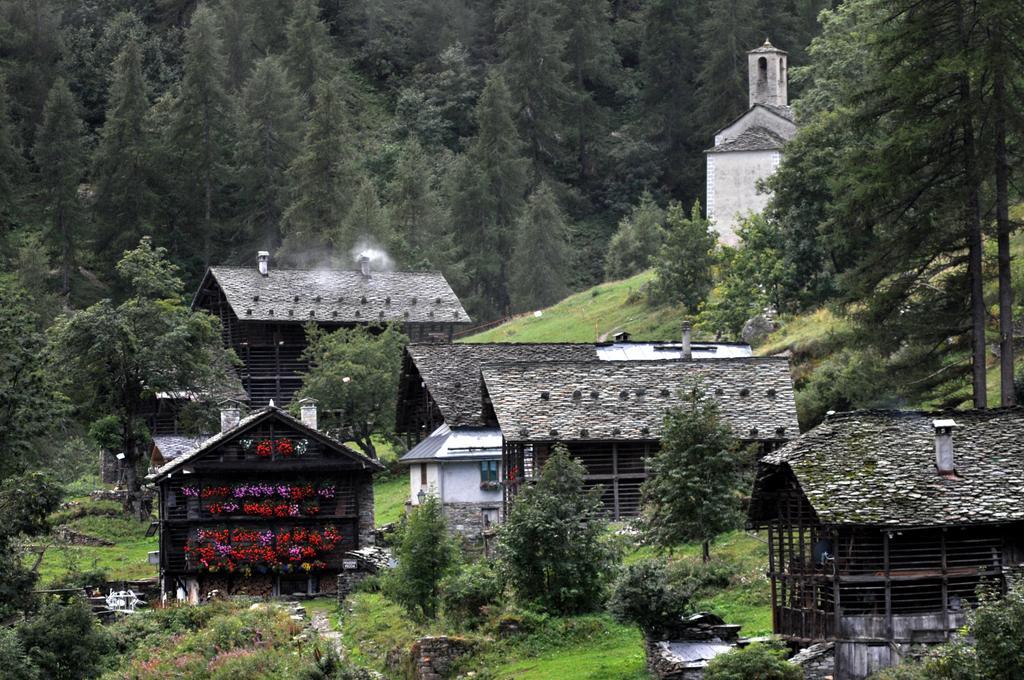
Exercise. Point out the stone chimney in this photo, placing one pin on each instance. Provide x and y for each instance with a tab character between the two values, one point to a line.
944	460
308	412
364	265
263	262
230	414
687	351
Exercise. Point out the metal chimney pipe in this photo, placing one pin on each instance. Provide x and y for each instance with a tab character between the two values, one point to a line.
364	265
263	262
944	459
687	352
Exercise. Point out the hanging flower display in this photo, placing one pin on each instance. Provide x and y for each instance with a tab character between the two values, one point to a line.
277	550
284	447
261	499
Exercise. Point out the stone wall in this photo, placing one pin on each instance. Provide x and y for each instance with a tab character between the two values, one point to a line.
110	468
467	519
429	658
818	661
367	535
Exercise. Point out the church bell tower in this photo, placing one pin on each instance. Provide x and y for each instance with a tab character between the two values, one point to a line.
768	75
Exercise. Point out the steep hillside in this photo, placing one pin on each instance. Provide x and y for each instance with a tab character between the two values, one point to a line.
593	314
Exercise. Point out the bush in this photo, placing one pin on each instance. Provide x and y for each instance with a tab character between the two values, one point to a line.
756	662
466	593
655	595
65	641
16	663
426	553
551	547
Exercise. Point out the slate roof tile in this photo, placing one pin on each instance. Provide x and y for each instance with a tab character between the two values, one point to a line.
339	295
756	138
878	468
590	400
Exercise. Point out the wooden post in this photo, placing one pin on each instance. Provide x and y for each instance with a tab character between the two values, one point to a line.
771	578
837	614
945	584
888	585
615	479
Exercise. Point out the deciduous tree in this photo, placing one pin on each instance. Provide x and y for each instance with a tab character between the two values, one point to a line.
426	554
684	262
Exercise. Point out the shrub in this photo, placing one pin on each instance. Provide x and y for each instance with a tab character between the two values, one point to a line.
551	547
466	593
426	553
16	663
65	641
756	662
655	595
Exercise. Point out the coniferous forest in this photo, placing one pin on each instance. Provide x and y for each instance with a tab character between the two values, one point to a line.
439	130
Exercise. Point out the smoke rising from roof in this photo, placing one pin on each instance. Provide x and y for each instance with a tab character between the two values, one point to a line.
380	261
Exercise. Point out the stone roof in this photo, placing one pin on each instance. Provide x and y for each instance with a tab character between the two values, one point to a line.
878	468
251	420
171	446
451	372
627	400
767	48
328	295
755	138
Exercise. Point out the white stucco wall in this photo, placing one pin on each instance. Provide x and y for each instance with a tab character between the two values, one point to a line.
732	187
433	485
453	482
462	484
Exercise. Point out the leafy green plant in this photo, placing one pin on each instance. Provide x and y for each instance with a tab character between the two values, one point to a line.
759	661
466	593
65	641
426	554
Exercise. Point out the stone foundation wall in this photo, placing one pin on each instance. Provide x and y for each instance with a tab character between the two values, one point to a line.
367	533
430	658
818	661
467	519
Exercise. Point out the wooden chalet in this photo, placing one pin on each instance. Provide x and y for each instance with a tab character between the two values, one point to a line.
882	525
609	414
263	310
266	507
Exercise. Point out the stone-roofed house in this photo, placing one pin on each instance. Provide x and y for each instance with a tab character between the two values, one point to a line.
883	524
268	506
609	414
263	310
749	149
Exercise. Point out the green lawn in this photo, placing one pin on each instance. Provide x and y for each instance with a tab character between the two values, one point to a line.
127	559
389	497
593	314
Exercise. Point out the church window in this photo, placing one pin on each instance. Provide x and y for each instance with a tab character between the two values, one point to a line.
762	70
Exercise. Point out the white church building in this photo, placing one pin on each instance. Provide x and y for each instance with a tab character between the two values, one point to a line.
749	148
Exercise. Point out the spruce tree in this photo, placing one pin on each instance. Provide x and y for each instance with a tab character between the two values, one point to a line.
669	62
540	260
416	212
11	165
728	31
321	177
592	61
309	55
534	67
367	221
236	25
60	156
269	134
684	263
200	131
123	198
487	189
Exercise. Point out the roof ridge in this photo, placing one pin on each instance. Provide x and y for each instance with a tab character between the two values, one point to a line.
336	270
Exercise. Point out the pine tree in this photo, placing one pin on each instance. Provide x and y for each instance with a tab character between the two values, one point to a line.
123	198
269	19
535	71
60	156
416	211
488	185
200	131
592	65
454	90
269	133
540	260
669	63
637	240
321	177
309	56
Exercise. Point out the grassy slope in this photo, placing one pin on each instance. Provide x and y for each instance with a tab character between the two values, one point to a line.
126	559
593	314
389	496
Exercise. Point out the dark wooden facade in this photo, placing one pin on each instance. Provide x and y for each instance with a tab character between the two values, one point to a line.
878	592
317	487
271	351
